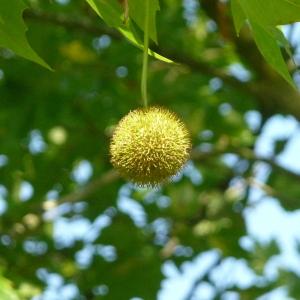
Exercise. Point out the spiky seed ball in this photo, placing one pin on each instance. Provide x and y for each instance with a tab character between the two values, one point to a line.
149	146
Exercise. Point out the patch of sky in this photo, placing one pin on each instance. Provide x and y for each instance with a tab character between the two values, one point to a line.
67	231
190	171
228	274
3	202
108	252
36	142
26	191
206	134
121	71
84	257
53	212
35	247
266	221
205	147
6	240
184	277
183	251
1	74
56	288
253	119
161	229
238	71
163	201
225	109
63	2
292	32
101	290
277	127
279	225
133	209
102	42
97	226
211	26
3	160
190	11
82	172
296	75
204	291
277	294
215	84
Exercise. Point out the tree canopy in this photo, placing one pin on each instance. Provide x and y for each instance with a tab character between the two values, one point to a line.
71	226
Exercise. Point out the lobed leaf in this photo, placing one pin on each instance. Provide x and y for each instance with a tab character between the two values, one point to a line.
264	17
13	31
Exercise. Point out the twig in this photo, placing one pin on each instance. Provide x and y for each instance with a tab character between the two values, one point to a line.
196	155
246	153
91	187
250	155
70	23
267	190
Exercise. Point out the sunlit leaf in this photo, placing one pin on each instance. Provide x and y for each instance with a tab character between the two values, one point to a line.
112	13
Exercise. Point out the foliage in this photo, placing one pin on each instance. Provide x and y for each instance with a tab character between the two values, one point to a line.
67	217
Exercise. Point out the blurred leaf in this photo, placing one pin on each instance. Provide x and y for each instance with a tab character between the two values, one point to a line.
76	52
287	187
280	146
6	290
290	279
261	255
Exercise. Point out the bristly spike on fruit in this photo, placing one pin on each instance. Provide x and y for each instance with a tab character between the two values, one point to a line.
149	146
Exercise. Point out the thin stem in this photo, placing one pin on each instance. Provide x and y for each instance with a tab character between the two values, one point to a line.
145	57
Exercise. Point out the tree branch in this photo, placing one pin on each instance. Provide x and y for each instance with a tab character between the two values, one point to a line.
268	191
112	175
62	20
246	153
89	27
250	155
90	188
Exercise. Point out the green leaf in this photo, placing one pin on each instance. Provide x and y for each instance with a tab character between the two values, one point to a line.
270	12
238	14
129	35
283	42
110	11
264	18
269	48
137	10
6	291
13	31
113	15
